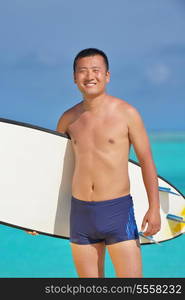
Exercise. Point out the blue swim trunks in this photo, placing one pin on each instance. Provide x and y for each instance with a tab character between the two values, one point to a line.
111	221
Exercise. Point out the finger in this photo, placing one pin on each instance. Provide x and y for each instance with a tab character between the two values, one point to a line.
32	232
149	230
155	230
143	225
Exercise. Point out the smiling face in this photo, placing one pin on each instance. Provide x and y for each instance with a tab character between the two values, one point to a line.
91	75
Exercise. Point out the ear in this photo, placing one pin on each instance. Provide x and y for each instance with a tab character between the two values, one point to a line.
107	76
74	77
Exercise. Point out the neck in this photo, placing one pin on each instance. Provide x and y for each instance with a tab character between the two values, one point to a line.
93	103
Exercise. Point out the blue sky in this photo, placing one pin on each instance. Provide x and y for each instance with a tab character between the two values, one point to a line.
144	41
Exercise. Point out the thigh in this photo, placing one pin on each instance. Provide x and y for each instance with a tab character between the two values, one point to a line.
89	259
126	258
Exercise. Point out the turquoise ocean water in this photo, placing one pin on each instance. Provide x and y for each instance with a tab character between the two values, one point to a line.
23	255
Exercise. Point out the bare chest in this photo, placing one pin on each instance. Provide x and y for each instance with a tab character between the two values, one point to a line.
98	130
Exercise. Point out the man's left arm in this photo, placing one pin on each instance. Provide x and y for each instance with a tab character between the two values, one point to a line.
140	141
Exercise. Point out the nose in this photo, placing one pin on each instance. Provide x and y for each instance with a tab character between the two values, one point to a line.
89	75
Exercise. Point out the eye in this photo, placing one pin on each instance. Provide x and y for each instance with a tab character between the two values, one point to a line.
81	71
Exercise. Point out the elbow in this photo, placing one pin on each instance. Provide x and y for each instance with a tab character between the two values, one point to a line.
146	158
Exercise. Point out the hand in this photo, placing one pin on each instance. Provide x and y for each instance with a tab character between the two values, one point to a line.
153	219
32	232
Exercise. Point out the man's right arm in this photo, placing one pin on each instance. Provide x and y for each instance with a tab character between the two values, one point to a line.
63	123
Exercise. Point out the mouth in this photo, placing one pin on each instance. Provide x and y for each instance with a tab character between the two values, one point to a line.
90	84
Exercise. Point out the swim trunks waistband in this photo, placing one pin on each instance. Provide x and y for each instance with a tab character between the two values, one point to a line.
83	202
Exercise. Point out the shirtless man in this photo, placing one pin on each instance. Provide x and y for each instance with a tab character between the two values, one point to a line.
102	129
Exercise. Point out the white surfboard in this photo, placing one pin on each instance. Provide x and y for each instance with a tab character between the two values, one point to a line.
36	168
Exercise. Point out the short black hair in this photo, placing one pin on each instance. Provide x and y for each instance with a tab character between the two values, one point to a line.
91	52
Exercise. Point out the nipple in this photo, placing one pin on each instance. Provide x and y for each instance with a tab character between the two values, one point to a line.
111	141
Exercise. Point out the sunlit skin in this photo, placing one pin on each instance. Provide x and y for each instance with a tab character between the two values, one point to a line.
102	129
91	78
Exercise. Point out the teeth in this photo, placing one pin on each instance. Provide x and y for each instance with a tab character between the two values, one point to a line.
90	84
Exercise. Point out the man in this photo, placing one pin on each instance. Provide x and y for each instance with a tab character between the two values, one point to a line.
102	129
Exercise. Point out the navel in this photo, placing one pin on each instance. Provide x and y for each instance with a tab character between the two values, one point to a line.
74	141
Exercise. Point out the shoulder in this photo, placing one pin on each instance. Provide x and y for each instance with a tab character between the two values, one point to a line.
67	118
129	111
